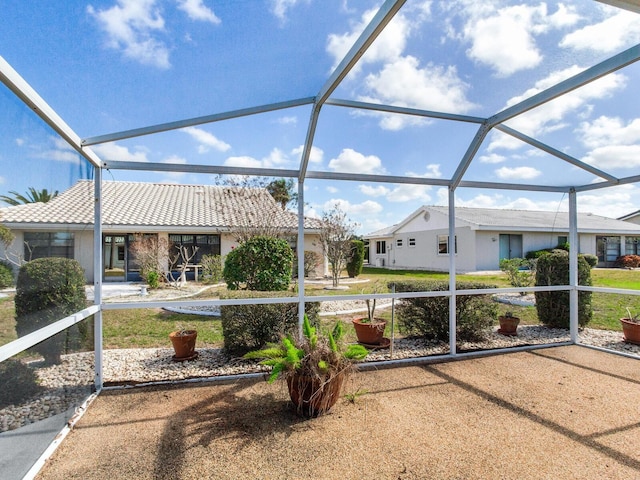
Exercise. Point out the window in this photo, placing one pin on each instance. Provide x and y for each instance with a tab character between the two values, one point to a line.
381	247
562	240
632	245
412	242
48	244
207	245
443	244
399	243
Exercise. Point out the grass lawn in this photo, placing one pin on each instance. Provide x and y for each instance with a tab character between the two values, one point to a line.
151	327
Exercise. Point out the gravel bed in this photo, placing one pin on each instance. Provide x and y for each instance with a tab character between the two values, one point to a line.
69	383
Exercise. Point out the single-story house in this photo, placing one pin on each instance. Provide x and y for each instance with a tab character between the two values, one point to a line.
485	236
208	217
633	217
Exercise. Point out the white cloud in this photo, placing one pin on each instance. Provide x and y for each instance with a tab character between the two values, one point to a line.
404	83
550	116
207	140
513	27
410	193
130	26
290	120
614	156
276	158
332	189
2	180
378	191
610	35
604	131
368	207
280	7
492	158
610	202
20	141
196	10
112	151
355	162
517	173
315	156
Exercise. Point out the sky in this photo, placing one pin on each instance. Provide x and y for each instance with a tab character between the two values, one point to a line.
111	65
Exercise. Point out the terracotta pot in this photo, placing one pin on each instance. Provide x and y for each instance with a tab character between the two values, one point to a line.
313	397
508	325
184	344
369	333
631	331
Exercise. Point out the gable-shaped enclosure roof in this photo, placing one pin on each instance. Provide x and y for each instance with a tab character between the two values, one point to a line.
136	205
456	111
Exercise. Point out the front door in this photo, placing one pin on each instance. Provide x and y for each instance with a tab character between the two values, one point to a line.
114	261
608	250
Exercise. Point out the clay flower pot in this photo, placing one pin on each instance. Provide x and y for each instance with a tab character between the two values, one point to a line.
631	330
184	344
508	325
369	333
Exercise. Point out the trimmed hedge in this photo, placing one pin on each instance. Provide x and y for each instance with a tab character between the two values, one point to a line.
6	274
553	307
429	316
261	263
252	327
355	263
47	290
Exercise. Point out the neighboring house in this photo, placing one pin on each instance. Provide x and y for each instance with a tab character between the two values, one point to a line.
485	236
633	217
207	217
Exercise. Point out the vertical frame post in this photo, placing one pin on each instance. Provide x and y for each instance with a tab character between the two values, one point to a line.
452	272
97	278
573	266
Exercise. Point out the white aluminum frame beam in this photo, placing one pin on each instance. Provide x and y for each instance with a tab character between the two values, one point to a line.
190	122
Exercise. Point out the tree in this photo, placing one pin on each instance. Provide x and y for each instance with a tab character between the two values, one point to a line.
282	192
336	233
32	196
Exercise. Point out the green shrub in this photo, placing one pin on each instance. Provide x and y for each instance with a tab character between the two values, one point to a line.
354	264
261	263
429	316
592	260
153	279
6	274
553	307
521	272
47	290
19	383
211	268
251	327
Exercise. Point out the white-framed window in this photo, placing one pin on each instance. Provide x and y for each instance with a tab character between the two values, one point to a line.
398	243
411	242
443	244
48	244
381	247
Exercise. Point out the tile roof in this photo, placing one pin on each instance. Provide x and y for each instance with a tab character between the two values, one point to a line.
158	205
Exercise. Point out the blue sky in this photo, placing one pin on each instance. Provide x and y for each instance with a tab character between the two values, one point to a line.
112	65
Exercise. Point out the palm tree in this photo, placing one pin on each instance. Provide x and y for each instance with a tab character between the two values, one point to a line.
32	196
282	191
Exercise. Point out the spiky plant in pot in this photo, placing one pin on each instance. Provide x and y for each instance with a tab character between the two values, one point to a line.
314	368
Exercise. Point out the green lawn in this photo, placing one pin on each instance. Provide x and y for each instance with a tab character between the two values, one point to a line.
150	327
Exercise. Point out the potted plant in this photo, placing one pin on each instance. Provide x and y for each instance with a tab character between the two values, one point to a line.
631	327
314	367
370	330
508	324
184	344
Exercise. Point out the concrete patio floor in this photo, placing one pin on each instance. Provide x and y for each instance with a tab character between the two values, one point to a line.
563	412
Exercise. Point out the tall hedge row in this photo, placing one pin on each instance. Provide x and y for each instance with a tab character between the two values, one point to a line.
553	307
